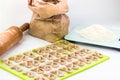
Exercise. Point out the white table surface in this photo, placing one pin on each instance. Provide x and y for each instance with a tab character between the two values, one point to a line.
15	12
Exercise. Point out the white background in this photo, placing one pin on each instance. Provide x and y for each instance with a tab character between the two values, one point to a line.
15	12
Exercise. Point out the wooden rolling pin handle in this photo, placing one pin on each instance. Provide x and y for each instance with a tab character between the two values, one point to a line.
11	36
24	27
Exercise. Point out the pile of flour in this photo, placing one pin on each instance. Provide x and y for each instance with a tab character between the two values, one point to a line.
97	33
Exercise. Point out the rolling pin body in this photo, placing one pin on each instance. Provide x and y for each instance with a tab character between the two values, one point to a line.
11	36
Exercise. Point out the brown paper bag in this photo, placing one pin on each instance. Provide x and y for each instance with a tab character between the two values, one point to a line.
49	29
48	8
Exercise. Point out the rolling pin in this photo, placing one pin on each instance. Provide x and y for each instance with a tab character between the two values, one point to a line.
11	36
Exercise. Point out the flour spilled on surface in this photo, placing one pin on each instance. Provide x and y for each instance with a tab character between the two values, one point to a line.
97	32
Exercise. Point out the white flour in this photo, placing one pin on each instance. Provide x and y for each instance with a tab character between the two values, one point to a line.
97	33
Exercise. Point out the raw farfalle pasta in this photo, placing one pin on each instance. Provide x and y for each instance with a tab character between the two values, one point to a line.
53	62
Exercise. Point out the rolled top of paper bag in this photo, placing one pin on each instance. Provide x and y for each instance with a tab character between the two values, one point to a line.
48	8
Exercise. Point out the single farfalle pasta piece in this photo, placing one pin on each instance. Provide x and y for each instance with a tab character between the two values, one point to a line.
58	73
69	59
40	71
40	78
79	63
55	64
15	67
62	61
65	42
62	68
30	54
7	62
35	63
30	63
97	54
76	67
60	50
20	58
29	73
49	62
85	50
50	57
69	70
68	48
94	58
12	58
65	57
55	53
52	76
69	65
74	46
27	64
47	68
88	61
56	60
40	58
